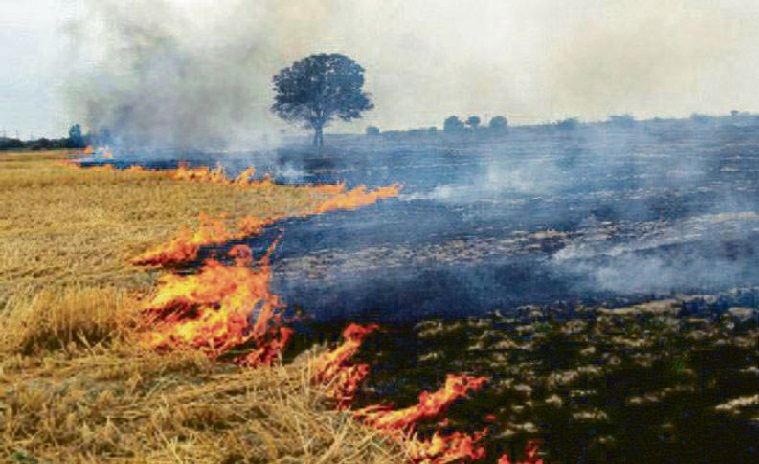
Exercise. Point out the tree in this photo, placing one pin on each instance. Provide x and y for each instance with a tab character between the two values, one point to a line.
498	123
452	124
473	122
372	130
567	124
318	89
75	137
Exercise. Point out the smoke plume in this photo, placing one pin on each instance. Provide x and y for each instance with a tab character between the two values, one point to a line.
189	75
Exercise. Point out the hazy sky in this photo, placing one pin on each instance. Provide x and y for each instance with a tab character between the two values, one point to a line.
531	60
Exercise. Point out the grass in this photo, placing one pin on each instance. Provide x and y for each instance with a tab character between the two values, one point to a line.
61	226
74	387
116	404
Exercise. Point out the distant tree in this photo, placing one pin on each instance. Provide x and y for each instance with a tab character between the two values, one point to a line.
735	113
473	122
372	130
318	89
567	124
452	124
498	123
76	140
10	143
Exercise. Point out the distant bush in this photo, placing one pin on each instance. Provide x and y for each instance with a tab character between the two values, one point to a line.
567	124
10	144
453	124
473	122
372	130
498	123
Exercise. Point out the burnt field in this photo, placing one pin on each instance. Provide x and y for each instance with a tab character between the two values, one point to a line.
604	278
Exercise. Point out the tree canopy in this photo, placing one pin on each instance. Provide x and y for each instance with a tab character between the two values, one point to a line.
453	124
319	89
498	123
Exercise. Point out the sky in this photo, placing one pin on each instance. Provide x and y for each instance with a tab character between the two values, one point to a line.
533	61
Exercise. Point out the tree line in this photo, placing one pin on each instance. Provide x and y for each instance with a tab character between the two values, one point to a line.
75	140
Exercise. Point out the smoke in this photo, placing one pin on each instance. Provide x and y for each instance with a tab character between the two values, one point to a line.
185	74
197	72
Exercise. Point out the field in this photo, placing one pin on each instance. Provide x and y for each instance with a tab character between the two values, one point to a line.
74	384
602	279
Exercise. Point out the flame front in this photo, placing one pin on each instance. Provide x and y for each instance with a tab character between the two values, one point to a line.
185	245
332	368
219	309
441	449
429	405
228	311
532	455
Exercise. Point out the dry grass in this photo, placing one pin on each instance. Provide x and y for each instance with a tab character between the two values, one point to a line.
74	385
120	405
61	226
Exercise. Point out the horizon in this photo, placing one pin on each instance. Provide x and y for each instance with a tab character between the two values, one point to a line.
588	60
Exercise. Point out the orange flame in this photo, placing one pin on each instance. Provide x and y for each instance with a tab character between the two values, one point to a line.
218	175
356	198
218	309
531	452
430	404
244	177
444	449
185	245
103	168
333	369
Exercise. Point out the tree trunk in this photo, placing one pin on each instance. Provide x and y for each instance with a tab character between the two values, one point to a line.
319	137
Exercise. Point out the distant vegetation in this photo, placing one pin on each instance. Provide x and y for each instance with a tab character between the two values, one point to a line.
319	89
75	140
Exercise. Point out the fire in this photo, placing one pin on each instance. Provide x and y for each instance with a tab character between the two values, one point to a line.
244	177
185	245
103	168
228	311
200	174
429	405
438	449
219	309
357	198
531	452
218	175
332	368
444	449
329	189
